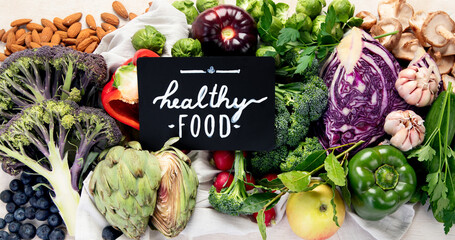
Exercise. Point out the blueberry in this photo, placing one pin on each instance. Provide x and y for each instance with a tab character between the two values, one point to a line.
54	209
30	212
6	196
42	215
9	217
2	223
41	179
110	233
14	226
43	231
43	203
33	201
14	236
16	185
57	234
27	231
26	178
19	214
28	190
11	207
54	220
41	191
20	198
4	235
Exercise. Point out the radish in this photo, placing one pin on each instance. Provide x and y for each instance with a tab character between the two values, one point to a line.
223	159
269	216
250	179
223	180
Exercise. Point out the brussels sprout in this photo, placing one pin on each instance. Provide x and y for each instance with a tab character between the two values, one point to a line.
149	38
343	9
274	30
317	22
187	47
203	5
268	51
282	11
187	7
312	8
299	21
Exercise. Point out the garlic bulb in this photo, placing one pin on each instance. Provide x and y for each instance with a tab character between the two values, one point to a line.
406	128
418	86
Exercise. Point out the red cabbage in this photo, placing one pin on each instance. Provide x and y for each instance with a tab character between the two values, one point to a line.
360	75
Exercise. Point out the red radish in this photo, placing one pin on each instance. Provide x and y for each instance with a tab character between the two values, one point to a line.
250	179
223	159
223	180
269	215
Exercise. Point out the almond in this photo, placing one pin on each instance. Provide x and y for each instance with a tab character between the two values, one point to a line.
82	36
16	48
48	44
107	27
132	16
58	22
56	39
69	41
10	40
100	32
91	47
11	30
34	45
110	18
120	9
28	39
90	20
20	22
95	39
2	32
32	26
20	32
46	34
62	34
84	44
36	37
71	19
21	39
74	29
90	31
2	57
48	23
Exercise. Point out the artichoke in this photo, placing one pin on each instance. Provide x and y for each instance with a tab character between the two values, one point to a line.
177	193
124	186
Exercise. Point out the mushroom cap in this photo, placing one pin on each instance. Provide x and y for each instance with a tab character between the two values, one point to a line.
416	23
445	63
446	50
387	25
398	9
438	28
407	47
445	82
369	20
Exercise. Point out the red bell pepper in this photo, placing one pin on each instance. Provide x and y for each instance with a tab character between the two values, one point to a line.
111	97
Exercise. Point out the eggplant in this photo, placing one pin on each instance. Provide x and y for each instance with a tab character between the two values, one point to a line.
226	30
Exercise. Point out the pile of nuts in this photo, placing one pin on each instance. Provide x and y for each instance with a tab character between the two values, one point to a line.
68	31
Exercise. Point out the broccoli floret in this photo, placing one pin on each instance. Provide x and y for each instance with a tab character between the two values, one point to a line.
34	75
49	137
302	151
282	117
268	162
230	200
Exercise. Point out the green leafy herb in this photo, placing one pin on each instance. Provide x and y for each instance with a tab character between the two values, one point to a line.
275	184
260	219
257	201
287	35
334	170
295	181
313	161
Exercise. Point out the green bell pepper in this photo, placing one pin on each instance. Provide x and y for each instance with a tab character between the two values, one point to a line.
381	180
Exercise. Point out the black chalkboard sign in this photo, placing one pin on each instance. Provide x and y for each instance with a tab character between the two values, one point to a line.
211	103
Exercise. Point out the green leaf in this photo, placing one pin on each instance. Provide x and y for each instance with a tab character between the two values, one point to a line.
287	35
330	19
425	153
313	161
260	219
254	203
87	163
334	206
275	184
346	195
266	19
449	219
295	181
304	63
432	180
334	170
354	22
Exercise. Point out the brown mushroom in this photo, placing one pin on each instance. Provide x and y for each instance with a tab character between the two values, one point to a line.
438	28
445	82
446	50
445	63
416	23
398	9
369	20
384	26
407	47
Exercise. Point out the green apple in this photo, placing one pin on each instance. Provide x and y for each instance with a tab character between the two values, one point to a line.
310	213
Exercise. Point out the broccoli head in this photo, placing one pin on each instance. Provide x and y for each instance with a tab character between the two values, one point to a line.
298	155
230	200
268	162
34	75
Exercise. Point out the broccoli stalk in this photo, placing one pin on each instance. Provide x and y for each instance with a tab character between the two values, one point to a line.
40	138
300	153
230	200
